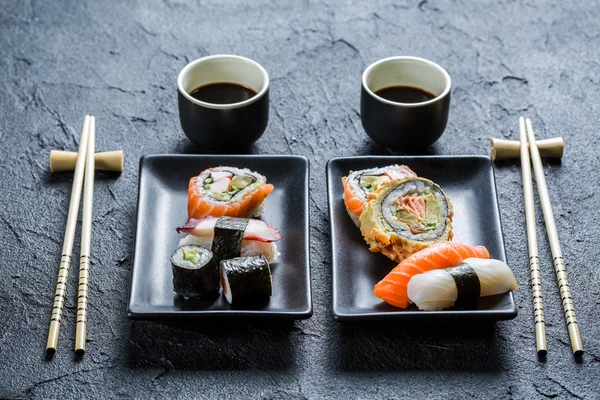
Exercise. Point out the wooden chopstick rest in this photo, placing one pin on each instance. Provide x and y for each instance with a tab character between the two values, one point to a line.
61	161
502	149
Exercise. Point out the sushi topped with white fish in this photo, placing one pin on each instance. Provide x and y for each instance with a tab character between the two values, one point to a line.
461	286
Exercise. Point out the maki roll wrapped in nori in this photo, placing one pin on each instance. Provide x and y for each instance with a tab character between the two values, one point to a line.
359	186
227	191
195	272
406	216
246	279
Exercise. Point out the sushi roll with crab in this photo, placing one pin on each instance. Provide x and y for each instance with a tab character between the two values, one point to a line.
405	216
360	185
195	272
229	191
229	237
246	279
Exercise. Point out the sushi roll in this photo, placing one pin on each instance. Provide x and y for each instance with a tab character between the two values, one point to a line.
195	272
462	285
246	279
229	191
393	288
229	237
359	185
406	216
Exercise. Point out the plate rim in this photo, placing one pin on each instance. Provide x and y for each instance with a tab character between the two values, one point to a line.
305	313
418	315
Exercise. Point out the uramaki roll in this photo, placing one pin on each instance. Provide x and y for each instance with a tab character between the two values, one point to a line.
405	216
227	191
360	185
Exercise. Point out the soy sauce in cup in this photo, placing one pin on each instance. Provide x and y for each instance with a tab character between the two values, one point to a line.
405	94
223	93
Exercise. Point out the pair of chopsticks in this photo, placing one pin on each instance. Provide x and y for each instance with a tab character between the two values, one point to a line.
526	134
84	176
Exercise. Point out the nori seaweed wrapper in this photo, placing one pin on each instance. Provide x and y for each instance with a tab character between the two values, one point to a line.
467	285
247	278
199	281
228	235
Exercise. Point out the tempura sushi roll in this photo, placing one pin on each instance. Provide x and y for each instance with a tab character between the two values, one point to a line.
406	216
246	279
195	272
227	191
462	285
359	185
229	237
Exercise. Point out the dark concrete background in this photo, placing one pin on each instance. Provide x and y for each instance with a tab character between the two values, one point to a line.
119	60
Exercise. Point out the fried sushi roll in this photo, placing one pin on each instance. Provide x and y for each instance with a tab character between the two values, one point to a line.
246	279
195	272
227	191
406	216
359	185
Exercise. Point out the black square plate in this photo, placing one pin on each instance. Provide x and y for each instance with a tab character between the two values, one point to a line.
470	184
162	206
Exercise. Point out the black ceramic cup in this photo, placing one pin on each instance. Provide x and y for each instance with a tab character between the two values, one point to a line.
405	126
223	126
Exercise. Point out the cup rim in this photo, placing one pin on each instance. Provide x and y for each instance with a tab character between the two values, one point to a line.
407	58
185	70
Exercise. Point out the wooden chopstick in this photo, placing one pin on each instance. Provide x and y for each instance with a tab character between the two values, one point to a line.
67	249
534	261
557	257
86	236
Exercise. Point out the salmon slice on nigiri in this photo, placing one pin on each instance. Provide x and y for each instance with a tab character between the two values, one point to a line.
393	288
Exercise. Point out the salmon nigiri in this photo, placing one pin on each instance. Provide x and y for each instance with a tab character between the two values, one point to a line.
393	288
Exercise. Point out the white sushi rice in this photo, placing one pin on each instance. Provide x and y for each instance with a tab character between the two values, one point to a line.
249	247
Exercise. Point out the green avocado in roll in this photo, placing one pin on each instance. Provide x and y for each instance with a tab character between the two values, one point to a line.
406	216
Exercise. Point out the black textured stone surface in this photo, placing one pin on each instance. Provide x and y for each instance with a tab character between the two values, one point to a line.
119	60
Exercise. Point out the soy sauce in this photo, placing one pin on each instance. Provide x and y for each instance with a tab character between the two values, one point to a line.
405	94
222	93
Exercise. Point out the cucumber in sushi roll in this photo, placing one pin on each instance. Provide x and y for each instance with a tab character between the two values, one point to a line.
246	279
195	272
406	216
